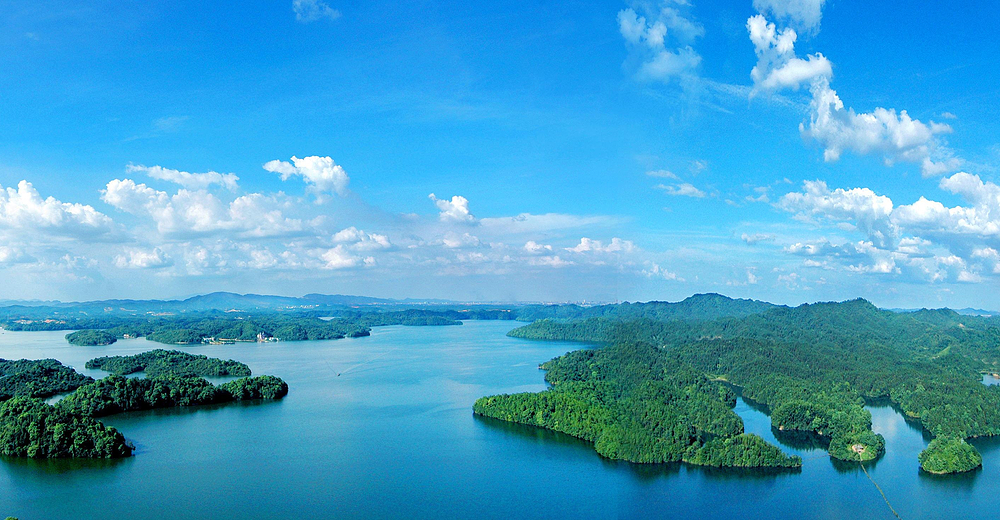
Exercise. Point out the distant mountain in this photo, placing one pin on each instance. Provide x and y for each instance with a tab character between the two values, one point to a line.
968	311
708	306
217	301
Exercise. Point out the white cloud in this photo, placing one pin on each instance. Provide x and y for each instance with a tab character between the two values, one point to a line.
191	181
666	174
535	248
454	210
550	261
653	270
860	206
804	14
454	240
683	189
358	240
777	66
617	245
894	136
753	238
13	255
199	212
339	258
24	210
321	174
648	41
311	10
135	258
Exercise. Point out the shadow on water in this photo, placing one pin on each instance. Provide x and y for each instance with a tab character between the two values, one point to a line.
43	469
641	472
800	440
849	467
952	482
189	410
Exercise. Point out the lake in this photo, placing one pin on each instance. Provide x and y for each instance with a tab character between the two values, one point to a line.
382	427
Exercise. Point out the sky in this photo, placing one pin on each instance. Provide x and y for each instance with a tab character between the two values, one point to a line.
785	150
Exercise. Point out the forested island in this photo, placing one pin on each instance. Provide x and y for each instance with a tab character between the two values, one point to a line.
31	428
812	366
169	362
217	327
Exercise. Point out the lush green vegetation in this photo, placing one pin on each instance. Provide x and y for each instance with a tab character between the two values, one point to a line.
31	428
261	387
116	394
635	404
949	455
37	378
698	307
161	362
815	365
91	337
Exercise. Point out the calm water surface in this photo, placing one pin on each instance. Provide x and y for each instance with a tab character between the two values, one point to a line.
393	436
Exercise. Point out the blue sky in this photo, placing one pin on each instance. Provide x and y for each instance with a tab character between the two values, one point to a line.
576	151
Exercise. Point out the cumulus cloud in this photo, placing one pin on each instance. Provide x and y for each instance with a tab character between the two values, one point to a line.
340	258
199	212
454	240
660	41
925	240
803	14
311	10
454	210
777	65
358	240
191	181
321	175
893	136
884	132
860	206
535	248
653	270
13	255
135	258
23	209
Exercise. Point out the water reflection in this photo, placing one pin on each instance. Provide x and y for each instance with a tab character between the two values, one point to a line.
641	472
41	470
801	441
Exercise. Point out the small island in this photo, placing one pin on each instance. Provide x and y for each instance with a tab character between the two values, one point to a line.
162	362
90	338
31	428
949	455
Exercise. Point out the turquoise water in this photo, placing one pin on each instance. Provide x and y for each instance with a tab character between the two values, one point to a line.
393	436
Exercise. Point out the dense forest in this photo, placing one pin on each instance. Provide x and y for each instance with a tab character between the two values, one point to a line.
91	337
31	428
116	394
637	405
37	378
814	365
949	455
169	362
